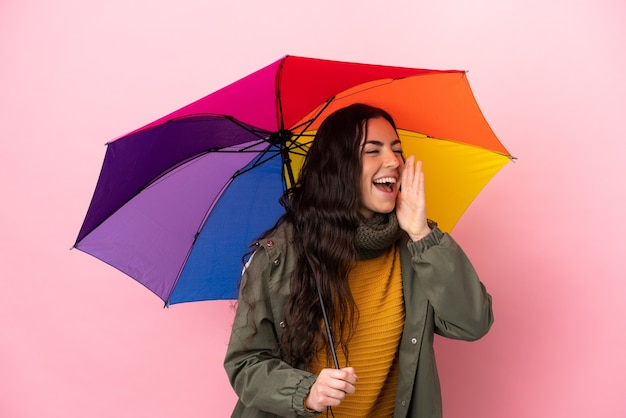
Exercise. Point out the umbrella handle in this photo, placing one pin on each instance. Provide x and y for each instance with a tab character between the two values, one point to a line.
328	332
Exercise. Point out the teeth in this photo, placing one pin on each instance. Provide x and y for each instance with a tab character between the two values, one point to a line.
385	180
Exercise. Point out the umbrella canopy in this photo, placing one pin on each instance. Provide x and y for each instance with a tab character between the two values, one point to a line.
179	200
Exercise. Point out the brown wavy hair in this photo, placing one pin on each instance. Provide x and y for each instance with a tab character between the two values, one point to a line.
323	208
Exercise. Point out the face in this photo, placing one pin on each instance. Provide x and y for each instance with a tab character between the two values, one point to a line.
382	162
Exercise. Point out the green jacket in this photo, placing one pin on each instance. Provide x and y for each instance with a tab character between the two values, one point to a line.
442	295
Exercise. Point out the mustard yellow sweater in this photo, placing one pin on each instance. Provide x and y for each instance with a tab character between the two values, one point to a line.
376	287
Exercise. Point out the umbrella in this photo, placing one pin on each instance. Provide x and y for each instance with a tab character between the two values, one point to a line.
178	201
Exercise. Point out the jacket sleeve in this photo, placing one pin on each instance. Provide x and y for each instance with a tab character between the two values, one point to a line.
461	304
260	378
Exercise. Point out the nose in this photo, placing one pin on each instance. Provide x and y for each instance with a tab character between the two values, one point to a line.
392	160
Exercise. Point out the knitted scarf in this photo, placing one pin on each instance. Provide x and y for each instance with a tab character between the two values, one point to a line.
377	234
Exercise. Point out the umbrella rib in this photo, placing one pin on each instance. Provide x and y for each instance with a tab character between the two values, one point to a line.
195	238
191	158
294	144
279	102
268	152
298	148
258	161
262	135
370	87
309	122
259	133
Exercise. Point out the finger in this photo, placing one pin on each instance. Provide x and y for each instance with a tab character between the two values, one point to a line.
342	379
341	385
419	175
407	173
347	373
351	376
418	166
337	394
421	183
323	395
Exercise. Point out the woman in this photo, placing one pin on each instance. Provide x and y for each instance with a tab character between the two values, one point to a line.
388	277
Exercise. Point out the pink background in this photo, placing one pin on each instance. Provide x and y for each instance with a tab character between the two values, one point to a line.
79	339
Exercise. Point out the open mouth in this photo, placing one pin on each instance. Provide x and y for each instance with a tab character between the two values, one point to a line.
386	184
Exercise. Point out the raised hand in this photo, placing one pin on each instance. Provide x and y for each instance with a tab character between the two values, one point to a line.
411	201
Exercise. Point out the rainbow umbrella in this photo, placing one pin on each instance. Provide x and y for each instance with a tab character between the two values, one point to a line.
179	200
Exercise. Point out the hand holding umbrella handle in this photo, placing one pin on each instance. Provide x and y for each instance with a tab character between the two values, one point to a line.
330	389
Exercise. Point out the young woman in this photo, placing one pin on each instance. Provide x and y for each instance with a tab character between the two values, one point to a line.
355	236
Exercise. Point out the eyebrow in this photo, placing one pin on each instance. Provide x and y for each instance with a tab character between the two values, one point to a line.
380	143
